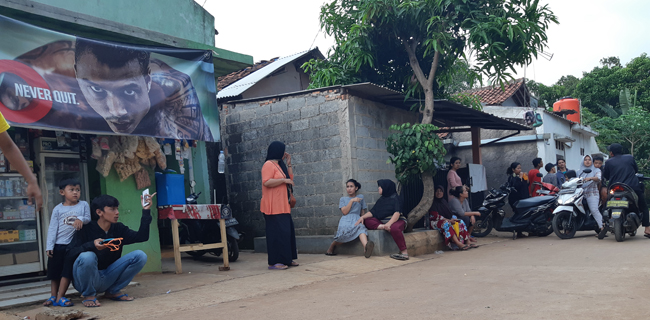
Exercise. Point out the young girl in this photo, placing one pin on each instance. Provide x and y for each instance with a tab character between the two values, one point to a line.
352	207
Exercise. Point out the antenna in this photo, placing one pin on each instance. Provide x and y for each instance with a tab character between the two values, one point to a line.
547	55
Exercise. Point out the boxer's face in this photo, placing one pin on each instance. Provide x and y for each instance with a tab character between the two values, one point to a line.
119	95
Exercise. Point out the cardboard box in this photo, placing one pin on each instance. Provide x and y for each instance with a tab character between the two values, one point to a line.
6	259
27	212
26	257
9	236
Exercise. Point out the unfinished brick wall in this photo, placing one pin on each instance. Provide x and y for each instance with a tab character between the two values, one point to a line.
332	137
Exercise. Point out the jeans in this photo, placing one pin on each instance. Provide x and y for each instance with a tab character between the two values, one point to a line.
89	281
592	202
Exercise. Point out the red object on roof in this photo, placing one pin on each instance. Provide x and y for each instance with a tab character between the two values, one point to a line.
570	106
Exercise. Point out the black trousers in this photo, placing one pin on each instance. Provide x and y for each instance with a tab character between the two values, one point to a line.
280	239
643	206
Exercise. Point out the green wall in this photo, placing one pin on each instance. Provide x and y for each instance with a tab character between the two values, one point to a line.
131	212
190	21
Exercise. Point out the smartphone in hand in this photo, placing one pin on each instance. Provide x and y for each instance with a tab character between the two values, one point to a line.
145	193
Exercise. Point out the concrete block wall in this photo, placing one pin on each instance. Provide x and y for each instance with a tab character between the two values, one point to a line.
371	126
332	137
310	125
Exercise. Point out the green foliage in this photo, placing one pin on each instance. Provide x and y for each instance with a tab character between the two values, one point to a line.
372	37
467	99
415	149
631	130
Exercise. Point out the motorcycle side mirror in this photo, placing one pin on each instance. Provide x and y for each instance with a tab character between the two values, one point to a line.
639	175
539	175
587	171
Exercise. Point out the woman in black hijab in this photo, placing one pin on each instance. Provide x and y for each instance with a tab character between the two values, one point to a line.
277	180
386	215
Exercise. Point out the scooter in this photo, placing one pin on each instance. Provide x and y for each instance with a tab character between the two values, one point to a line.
532	215
546	189
622	214
572	214
207	231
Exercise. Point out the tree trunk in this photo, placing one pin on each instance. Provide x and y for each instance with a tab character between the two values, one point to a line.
427	200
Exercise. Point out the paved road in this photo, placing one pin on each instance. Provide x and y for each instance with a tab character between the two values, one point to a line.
531	278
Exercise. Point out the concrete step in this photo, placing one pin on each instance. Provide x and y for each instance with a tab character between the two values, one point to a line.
418	242
32	294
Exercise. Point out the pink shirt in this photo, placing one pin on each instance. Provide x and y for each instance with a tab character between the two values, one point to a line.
453	181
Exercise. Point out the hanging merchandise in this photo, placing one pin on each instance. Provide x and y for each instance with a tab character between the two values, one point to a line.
128	168
105	163
97	150
186	150
128	155
103	142
168	149
142	179
177	144
181	165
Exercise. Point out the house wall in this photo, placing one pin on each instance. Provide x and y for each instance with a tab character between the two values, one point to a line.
292	79
331	136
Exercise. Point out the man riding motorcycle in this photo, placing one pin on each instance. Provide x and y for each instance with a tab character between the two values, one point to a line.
621	168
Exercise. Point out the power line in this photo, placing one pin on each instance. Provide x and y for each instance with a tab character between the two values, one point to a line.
204	3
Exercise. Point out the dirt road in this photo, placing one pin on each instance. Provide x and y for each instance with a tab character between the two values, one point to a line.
532	278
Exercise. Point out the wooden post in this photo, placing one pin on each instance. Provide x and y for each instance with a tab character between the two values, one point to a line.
177	245
476	146
224	241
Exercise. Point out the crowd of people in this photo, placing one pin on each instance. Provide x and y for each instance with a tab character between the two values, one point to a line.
453	217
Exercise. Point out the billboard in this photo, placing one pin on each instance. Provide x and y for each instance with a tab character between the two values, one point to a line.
51	80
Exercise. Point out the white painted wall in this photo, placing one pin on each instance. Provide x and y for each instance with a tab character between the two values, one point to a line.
553	125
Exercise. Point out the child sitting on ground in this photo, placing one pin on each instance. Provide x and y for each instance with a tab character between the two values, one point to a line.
67	218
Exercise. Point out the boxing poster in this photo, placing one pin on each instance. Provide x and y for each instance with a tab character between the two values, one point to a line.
52	80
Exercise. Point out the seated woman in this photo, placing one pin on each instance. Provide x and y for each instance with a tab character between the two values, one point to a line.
442	219
352	207
460	207
387	215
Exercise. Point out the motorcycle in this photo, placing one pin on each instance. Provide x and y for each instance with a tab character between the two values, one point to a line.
546	189
572	214
207	231
622	215
532	215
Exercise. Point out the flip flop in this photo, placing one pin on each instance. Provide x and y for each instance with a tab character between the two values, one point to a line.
465	248
278	266
119	298
399	256
647	235
474	246
63	302
330	253
294	264
367	252
94	303
52	301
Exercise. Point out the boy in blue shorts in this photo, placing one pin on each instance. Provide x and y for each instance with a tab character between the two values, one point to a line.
67	218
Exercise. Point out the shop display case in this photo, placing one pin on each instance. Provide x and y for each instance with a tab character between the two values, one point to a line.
20	241
57	161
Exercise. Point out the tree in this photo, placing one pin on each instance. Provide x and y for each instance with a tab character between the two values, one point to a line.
630	129
412	46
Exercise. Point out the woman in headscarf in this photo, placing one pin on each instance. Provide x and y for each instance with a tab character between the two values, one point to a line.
442	219
386	215
590	188
277	178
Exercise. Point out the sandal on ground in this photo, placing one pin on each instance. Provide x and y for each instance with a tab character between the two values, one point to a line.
399	256
602	233
647	235
119	298
50	302
294	264
474	246
278	266
94	301
330	253
465	248
367	251
63	302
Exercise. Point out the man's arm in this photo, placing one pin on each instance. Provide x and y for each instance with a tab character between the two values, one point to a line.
17	161
129	236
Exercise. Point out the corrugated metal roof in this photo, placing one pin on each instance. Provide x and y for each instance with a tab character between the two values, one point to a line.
250	80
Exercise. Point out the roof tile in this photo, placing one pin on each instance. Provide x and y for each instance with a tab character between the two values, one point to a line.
233	77
494	95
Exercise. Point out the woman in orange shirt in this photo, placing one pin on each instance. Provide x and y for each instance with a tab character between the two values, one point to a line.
277	178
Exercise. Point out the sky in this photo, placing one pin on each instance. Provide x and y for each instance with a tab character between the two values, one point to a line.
588	31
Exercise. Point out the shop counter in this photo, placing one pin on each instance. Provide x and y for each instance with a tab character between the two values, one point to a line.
199	212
